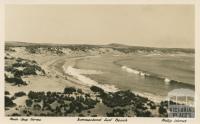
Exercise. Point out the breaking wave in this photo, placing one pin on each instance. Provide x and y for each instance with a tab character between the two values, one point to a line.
84	80
140	73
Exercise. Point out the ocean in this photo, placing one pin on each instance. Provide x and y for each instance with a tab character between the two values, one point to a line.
152	75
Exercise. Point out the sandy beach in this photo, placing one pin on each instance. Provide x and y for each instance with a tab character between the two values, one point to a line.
81	73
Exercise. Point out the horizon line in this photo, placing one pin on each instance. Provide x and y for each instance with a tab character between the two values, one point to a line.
53	43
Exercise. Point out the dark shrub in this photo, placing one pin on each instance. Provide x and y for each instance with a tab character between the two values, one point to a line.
165	103
8	48
117	113
75	106
90	102
152	105
29	102
46	106
162	110
18	64
119	98
18	73
29	71
48	93
6	57
16	114
15	80
69	98
37	100
58	109
37	107
50	100
7	93
96	89
9	102
69	90
80	98
19	94
36	95
29	68
37	67
13	98
87	95
141	106
9	68
33	61
79	91
143	113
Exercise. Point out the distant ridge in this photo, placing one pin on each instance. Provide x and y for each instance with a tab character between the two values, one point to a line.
116	46
19	43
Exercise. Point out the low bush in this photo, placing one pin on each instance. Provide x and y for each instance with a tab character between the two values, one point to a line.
29	71
117	113
36	95
162	110
96	89
143	113
15	80
37	107
7	93
19	94
120	98
69	90
9	102
29	102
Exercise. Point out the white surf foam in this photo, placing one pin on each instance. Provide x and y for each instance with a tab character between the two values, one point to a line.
167	81
134	71
84	80
130	70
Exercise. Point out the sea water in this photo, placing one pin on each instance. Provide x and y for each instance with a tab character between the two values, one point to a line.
149	75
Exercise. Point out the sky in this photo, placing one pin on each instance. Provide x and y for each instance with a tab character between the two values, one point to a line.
169	26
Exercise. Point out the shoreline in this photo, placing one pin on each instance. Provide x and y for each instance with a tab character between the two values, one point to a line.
86	80
62	74
108	88
112	88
